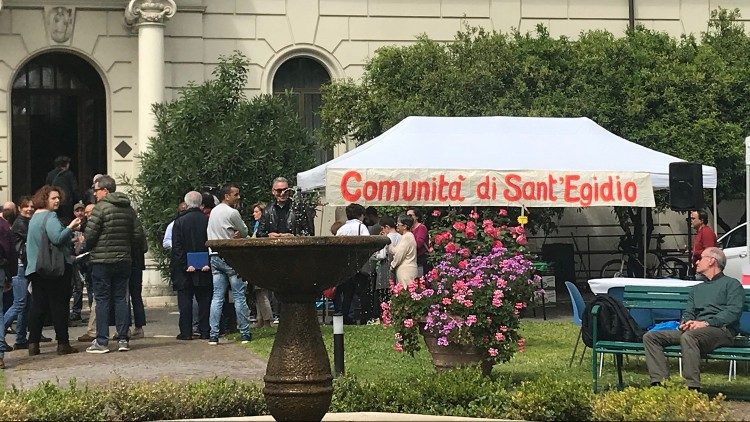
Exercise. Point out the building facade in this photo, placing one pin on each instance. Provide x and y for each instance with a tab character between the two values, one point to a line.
78	77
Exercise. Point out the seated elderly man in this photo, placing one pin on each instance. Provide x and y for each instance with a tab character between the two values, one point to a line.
710	320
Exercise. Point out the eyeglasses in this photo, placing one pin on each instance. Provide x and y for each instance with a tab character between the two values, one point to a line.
280	191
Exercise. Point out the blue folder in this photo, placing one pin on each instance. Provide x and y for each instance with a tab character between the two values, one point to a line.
197	260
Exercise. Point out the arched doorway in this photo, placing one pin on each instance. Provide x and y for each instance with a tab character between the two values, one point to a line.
304	76
58	108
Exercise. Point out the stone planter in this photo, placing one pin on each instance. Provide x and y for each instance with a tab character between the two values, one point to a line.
455	355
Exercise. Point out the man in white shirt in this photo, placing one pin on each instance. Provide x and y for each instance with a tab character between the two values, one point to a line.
225	223
342	302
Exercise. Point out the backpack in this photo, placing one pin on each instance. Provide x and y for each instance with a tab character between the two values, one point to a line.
615	322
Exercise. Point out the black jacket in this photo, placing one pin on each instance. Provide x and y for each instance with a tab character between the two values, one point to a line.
67	181
189	234
269	223
20	231
8	256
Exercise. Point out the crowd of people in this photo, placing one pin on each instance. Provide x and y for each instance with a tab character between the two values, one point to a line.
51	247
101	247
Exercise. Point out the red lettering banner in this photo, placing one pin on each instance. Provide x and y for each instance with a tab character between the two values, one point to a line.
488	188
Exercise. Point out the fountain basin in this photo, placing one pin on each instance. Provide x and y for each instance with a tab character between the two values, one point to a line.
298	382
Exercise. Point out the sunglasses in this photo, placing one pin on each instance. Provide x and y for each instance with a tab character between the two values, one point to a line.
280	191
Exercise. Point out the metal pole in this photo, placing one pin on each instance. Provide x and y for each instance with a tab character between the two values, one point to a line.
338	344
747	194
716	212
645	241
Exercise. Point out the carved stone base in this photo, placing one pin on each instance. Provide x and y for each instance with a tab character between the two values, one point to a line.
298	377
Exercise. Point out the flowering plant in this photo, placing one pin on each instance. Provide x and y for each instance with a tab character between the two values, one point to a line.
482	280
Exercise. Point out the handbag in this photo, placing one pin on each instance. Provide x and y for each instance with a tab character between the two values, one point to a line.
50	262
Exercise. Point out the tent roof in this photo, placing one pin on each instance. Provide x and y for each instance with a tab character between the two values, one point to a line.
502	143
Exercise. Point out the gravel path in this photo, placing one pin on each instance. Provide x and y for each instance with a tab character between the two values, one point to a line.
159	355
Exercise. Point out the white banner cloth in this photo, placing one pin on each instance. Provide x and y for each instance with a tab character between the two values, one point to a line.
531	188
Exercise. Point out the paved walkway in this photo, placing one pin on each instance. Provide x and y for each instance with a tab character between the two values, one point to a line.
159	355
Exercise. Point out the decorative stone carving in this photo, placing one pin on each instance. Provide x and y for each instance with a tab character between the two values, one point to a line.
60	22
140	12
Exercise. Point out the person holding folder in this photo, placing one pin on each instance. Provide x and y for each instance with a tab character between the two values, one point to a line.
192	272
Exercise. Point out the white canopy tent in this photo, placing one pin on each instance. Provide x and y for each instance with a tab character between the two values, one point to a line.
419	147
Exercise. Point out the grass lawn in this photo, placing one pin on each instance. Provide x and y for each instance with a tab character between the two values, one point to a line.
369	355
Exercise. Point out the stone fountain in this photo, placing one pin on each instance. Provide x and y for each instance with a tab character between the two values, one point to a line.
298	381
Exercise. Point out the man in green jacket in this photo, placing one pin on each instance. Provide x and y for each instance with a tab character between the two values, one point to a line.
711	320
111	232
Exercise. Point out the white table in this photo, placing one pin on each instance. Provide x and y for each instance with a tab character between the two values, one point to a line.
602	285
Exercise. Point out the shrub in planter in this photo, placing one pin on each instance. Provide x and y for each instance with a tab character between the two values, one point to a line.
672	401
550	399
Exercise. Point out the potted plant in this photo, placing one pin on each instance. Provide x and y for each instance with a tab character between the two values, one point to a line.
467	307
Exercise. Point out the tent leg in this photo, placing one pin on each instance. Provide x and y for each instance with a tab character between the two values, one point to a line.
716	210
645	241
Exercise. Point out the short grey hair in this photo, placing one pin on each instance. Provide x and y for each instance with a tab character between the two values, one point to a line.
193	199
279	179
718	255
107	182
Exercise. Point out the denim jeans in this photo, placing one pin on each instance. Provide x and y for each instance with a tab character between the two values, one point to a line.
77	295
110	282
19	311
224	276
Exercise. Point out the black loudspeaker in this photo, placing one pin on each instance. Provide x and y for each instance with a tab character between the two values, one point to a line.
685	186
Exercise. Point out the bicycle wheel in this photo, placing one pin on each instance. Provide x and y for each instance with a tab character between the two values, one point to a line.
613	268
672	268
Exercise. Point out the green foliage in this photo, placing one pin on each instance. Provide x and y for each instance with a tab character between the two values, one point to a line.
550	398
686	97
212	135
460	392
672	401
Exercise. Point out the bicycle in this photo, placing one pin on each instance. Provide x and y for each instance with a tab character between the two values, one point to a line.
629	264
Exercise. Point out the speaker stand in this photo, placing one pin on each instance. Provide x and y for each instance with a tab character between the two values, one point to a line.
691	267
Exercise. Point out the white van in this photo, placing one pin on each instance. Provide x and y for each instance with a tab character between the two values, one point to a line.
734	244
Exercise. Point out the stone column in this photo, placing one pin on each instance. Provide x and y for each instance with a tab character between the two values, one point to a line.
149	16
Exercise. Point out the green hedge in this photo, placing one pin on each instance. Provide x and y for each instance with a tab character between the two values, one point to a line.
456	393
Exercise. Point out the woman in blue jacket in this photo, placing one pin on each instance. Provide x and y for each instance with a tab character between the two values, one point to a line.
50	295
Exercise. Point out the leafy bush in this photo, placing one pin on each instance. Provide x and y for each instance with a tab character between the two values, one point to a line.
460	392
212	135
53	403
549	399
671	401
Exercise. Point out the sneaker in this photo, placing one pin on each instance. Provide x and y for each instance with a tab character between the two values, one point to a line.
123	346
213	341
19	346
137	333
246	339
44	339
276	320
97	348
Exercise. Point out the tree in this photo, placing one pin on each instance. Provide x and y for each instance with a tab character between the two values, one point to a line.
679	96
212	135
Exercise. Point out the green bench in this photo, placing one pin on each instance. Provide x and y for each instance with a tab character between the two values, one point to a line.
663	298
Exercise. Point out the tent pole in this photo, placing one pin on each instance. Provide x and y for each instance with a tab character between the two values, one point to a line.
645	241
716	211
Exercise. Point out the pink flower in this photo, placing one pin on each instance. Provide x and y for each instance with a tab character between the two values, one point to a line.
398	347
471	320
451	247
503	212
497	244
447	301
459	226
468	303
492	351
408	323
520	230
464	252
487	223
463	264
436	213
521	240
471	233
442	341
473	214
521	345
433	274
499	336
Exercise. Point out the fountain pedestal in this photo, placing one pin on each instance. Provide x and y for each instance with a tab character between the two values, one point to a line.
298	381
